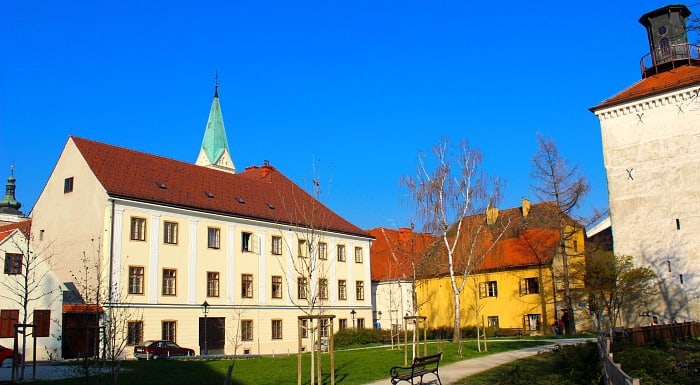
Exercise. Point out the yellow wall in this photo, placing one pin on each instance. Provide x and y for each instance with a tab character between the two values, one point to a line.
437	299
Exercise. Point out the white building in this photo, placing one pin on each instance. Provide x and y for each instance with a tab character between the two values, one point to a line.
30	293
258	249
651	148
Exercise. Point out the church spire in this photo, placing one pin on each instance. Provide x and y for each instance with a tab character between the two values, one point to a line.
215	152
10	205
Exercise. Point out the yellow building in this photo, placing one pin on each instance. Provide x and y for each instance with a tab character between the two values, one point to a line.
519	282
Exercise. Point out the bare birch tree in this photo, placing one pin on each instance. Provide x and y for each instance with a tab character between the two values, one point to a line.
555	180
445	195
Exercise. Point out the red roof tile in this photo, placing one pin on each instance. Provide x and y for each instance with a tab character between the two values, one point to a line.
261	193
680	77
394	250
82	308
23	226
527	241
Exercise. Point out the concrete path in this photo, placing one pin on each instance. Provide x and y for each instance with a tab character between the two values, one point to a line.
451	373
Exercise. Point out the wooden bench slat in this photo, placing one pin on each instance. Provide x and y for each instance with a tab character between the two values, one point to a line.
419	368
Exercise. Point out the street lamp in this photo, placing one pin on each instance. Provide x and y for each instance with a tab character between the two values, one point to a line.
352	313
205	309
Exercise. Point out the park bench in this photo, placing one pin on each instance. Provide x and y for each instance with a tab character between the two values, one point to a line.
420	367
509	332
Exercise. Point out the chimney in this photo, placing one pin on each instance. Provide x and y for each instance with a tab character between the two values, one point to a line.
491	215
405	234
265	169
526	207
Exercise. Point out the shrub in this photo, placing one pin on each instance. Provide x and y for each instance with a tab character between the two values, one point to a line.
354	337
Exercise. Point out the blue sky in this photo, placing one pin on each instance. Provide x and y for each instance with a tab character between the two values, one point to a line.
347	92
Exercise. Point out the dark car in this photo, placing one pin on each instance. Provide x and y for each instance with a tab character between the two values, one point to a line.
6	356
155	349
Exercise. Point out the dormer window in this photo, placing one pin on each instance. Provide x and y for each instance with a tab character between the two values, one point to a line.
161	185
240	200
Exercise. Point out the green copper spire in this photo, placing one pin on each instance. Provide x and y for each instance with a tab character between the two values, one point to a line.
10	205
215	152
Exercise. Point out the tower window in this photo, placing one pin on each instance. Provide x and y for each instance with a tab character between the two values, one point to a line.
68	185
678	223
681	278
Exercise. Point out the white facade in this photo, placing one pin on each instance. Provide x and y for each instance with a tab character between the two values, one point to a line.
45	295
393	301
651	149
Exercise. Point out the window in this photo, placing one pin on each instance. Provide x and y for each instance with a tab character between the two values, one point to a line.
246	330
358	255
529	286
42	320
13	263
245	241
322	250
246	286
532	322
488	289
342	289
138	229
168	331
276	245
134	333
213	237
276	286
341	253
301	288
343	323
303	250
169	282
276	329
304	328
323	288
493	321
212	284
360	323
68	185
325	328
359	290
170	233
135	280
8	319
575	246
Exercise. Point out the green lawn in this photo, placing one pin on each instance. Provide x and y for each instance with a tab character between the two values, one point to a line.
352	367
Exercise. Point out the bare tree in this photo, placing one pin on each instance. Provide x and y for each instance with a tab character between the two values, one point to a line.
555	180
307	269
445	196
27	285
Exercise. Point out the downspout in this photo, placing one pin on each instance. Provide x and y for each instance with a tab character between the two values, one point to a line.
111	253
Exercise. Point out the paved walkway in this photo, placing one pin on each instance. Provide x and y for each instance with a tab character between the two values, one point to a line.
451	373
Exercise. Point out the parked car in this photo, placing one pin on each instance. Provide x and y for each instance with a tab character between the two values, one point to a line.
6	357
155	349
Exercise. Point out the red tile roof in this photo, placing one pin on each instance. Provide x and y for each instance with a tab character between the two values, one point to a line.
261	193
394	250
23	226
680	77
83	308
528	241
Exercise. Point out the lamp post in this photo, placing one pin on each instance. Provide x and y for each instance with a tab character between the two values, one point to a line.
352	314
205	309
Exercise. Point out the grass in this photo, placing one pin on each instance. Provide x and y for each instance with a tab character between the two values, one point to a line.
664	364
352	366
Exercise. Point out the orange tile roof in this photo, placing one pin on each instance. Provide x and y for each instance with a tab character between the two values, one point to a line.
82	308
393	252
680	77
528	241
261	193
23	226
